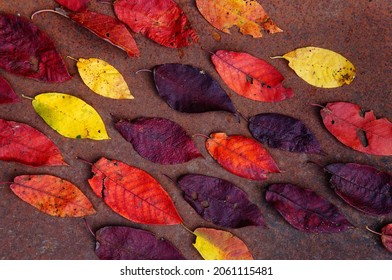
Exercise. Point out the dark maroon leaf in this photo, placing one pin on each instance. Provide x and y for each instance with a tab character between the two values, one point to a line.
7	94
220	201
363	187
305	210
386	237
159	140
126	243
27	51
190	90
283	132
74	5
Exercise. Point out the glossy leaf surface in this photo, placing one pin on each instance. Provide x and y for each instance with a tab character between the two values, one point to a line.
162	21
24	144
7	94
250	76
27	51
363	187
213	244
52	195
159	140
220	201
358	130
133	193
283	132
74	5
305	210
126	243
249	16
242	156
70	116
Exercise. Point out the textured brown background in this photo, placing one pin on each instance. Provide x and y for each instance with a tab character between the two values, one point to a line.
359	30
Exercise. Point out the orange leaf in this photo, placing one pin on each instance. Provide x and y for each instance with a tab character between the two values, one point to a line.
240	155
52	195
133	193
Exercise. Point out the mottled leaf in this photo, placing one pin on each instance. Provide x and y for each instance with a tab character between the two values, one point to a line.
7	94
74	5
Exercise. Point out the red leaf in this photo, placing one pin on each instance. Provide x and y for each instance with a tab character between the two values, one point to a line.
27	51
7	94
250	76
74	5
386	237
162	21
358	130
133	193
21	143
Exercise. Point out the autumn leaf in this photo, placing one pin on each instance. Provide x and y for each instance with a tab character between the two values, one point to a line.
283	132
74	5
162	21
159	140
52	195
363	187
248	15
24	144
126	243
305	210
250	76
7	94
321	67
240	155
133	193
70	116
103	78
358	130
219	201
213	244
27	51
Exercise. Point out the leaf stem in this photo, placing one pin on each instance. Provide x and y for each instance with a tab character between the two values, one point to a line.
170	178
187	229
143	70
84	160
278	56
201	135
72	58
88	227
372	231
49	11
27	97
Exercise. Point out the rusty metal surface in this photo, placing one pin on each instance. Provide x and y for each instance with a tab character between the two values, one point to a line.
359	30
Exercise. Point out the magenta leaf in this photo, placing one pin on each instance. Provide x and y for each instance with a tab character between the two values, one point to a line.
7	94
219	201
363	187
126	243
74	5
27	51
305	210
283	132
159	140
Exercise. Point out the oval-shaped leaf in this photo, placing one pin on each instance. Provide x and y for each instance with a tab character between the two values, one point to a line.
358	130
7	94
27	51
24	144
191	90
103	78
305	210
250	76
386	237
74	5
363	187
213	244
220	201
321	67
159	140
52	195
249	16
240	155
283	132
162	21
126	243
133	193
70	116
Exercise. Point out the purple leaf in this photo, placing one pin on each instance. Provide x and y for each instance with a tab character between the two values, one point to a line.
220	201
191	90
126	243
363	187
7	94
159	140
305	210
283	132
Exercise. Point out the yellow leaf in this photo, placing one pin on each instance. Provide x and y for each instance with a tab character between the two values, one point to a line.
103	78
321	67
215	244
70	116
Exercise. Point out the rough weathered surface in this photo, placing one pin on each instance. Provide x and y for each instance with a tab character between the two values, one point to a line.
359	30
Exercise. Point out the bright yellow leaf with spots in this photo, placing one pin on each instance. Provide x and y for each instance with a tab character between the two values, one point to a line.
248	15
215	244
321	67
103	78
70	116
